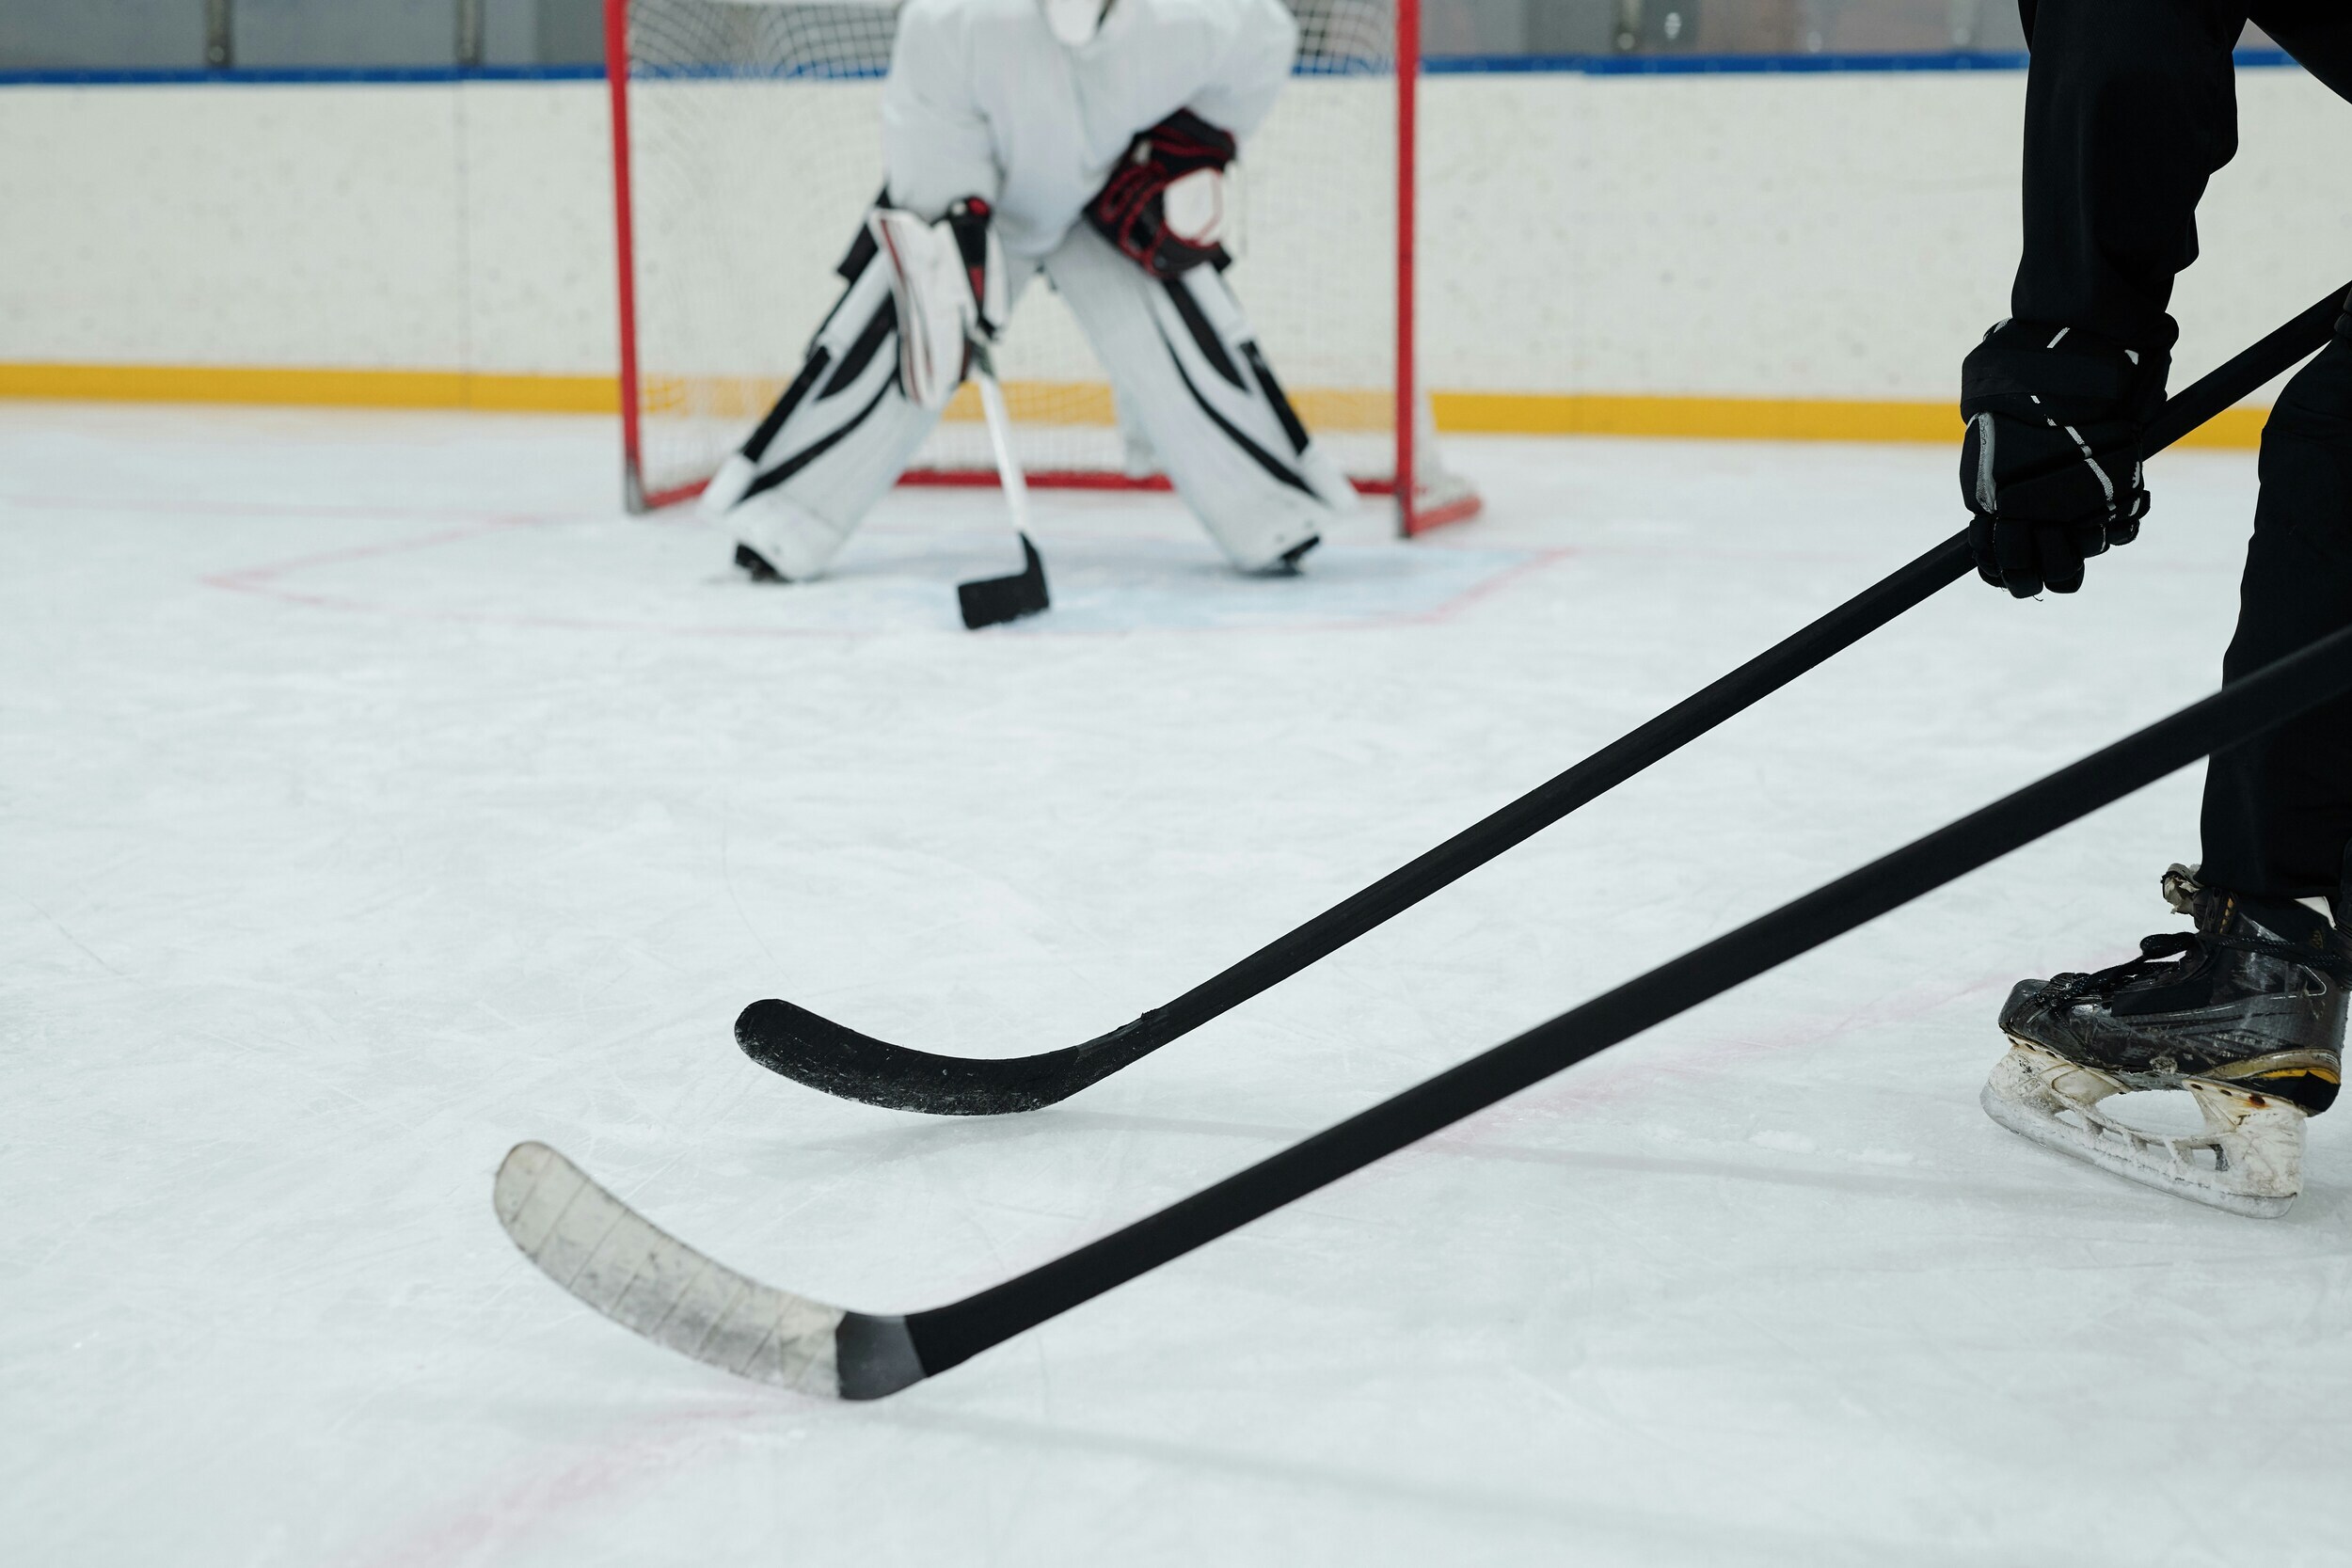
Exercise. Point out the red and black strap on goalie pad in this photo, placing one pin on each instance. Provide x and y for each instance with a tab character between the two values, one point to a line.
1130	211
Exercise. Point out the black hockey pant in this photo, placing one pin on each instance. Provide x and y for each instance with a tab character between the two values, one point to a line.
2277	814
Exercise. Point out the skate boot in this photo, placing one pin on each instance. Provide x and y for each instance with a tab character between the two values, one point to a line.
1286	564
2249	1020
756	565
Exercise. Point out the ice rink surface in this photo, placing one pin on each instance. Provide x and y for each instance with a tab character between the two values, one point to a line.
375	796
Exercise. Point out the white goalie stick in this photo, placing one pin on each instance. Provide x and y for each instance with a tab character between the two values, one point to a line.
944	327
991	601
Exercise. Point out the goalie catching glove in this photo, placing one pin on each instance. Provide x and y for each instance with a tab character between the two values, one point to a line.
948	285
2050	466
1165	205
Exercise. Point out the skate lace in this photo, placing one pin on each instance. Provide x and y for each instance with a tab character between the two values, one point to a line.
2103	983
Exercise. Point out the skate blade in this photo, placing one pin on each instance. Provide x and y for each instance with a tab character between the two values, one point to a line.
2247	1160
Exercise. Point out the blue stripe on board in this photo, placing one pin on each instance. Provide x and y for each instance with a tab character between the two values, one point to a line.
1712	65
1757	65
815	70
443	75
1444	65
301	76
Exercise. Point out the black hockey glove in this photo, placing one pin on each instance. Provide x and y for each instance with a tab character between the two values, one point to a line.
1132	208
2050	466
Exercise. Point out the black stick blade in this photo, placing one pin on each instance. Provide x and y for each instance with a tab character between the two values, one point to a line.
800	1045
993	601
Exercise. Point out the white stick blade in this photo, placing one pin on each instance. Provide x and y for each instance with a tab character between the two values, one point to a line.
615	1260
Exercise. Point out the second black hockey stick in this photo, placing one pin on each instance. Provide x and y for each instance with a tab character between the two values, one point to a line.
616	1261
812	1050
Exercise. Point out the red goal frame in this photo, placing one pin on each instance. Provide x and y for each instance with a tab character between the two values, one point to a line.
1412	518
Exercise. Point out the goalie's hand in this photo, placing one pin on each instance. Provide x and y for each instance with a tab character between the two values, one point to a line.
1165	206
2050	466
948	283
972	224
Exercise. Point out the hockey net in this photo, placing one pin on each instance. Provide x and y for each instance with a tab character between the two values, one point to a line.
747	149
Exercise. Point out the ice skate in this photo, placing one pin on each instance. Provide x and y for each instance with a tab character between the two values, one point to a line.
1286	564
2249	1021
755	565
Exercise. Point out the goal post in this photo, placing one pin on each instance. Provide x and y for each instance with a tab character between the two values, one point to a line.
747	145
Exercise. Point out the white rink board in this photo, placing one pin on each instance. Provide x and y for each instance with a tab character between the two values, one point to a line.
377	797
1812	235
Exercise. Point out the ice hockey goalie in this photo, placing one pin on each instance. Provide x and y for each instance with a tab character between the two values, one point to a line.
1089	140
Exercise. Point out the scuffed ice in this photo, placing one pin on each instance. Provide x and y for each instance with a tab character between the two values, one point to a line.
374	795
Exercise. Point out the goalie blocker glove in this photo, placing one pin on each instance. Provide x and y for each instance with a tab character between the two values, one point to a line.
2050	466
1164	205
948	285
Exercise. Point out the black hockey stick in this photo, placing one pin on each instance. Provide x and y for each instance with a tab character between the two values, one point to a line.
616	1261
815	1051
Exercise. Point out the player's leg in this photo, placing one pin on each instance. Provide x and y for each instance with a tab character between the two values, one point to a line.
837	439
2277	812
2249	1014
1188	371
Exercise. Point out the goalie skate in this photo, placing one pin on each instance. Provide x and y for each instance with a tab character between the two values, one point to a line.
2248	1158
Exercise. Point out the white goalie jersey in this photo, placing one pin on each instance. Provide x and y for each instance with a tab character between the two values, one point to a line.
983	101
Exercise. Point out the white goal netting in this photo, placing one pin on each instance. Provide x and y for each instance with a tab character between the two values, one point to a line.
754	148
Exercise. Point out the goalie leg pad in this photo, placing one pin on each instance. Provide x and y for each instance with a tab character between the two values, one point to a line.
834	444
1187	372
